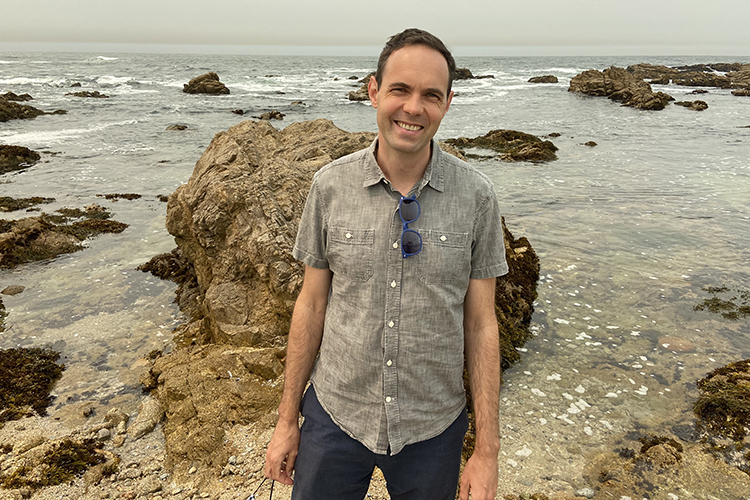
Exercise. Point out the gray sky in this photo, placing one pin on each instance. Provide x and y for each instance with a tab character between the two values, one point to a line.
501	27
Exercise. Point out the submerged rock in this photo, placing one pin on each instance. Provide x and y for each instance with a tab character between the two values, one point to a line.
511	144
466	74
86	93
621	85
11	96
206	84
10	110
271	115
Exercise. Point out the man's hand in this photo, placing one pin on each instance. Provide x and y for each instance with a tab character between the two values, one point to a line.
479	478
282	453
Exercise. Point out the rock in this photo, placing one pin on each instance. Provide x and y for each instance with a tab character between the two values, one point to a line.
16	158
28	442
206	84
177	127
590	144
13	290
742	92
115	416
722	407
13	111
271	115
620	85
511	144
693	105
103	434
698	91
694	79
238	111
75	85
544	79
149	485
676	344
150	413
235	223
360	95
10	96
463	74
586	493
86	93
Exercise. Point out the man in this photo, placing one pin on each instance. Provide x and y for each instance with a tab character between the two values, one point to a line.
401	245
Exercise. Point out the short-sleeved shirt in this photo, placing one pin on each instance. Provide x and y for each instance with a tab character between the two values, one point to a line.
390	367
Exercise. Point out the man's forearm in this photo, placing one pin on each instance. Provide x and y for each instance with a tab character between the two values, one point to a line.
483	365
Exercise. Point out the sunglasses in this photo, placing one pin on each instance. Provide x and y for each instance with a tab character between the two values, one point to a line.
411	241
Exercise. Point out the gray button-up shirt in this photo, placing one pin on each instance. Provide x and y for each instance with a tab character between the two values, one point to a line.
390	367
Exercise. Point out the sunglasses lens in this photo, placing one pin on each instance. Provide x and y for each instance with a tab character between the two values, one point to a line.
409	209
411	242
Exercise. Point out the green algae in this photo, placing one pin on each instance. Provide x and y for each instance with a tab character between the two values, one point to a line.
723	406
26	379
62	462
8	204
732	304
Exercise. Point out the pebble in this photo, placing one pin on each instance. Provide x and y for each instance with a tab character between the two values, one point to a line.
103	434
524	452
192	470
585	492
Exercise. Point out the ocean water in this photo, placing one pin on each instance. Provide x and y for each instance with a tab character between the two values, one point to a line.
628	232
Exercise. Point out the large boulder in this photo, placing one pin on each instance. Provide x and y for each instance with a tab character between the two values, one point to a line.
235	223
10	110
621	85
205	84
543	79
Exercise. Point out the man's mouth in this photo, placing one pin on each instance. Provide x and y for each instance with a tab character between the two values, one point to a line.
406	126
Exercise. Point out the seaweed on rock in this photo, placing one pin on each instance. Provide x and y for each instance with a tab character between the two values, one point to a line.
26	379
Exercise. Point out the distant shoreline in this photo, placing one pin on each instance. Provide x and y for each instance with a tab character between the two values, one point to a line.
710	51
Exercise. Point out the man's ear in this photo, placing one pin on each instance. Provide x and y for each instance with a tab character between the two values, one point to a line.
372	89
448	102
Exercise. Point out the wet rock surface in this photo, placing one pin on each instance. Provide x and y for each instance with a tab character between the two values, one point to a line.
89	94
544	79
11	110
16	158
693	105
207	83
48	235
26	380
511	145
618	84
699	75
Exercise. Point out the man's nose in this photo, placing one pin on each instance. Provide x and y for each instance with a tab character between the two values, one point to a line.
413	105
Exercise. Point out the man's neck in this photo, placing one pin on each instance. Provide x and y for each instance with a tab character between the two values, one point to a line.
403	171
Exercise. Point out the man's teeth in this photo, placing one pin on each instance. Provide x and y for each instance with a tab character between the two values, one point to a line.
409	127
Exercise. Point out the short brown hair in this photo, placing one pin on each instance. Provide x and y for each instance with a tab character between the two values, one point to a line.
414	36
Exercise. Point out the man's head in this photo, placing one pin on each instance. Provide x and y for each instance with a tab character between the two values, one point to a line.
414	36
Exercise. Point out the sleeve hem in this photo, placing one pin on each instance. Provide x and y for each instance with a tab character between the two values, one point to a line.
489	272
309	259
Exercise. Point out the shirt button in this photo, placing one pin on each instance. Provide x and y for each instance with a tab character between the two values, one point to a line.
348	235
393	284
389	362
388	399
391	323
395	244
443	238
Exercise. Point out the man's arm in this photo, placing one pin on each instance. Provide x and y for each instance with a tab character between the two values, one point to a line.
482	347
305	335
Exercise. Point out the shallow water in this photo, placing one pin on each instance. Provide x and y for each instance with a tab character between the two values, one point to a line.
628	232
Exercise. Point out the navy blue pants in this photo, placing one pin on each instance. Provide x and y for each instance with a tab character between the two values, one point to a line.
333	466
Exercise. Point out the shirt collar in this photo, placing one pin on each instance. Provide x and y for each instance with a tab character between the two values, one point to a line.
433	175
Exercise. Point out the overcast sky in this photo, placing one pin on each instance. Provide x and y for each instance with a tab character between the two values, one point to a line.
502	27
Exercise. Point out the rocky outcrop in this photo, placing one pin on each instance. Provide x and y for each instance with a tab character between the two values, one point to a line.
271	115
11	96
90	94
206	84
16	158
10	110
466	74
511	145
544	79
235	223
741	92
693	105
39	238
697	75
621	85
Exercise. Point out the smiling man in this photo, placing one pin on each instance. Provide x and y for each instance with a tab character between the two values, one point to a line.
401	244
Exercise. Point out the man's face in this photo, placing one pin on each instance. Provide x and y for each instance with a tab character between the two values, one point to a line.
411	100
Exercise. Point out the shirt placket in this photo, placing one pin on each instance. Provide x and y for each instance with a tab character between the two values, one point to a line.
394	276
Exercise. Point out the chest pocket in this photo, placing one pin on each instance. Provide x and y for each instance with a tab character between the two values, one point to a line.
350	252
445	257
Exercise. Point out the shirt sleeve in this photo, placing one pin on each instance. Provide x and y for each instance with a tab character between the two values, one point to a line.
488	248
310	246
